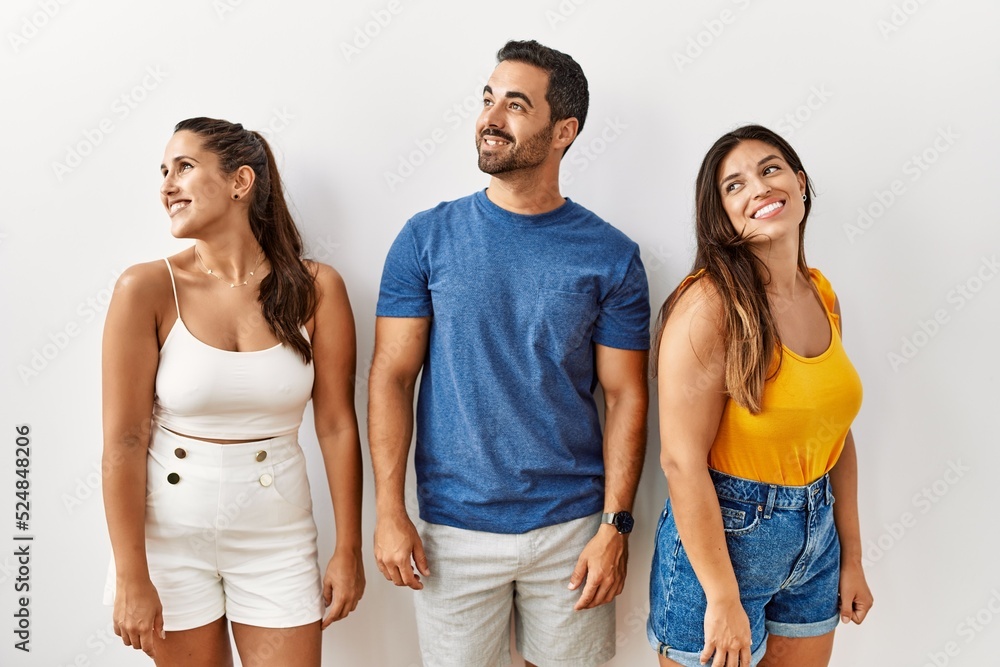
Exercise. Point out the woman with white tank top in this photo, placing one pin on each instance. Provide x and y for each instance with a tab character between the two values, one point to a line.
210	357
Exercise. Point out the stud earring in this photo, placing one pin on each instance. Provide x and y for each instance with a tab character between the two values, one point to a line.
804	197
237	196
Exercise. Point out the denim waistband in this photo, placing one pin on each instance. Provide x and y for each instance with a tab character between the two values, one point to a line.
774	496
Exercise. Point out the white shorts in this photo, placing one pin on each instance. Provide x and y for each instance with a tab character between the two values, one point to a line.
230	531
478	579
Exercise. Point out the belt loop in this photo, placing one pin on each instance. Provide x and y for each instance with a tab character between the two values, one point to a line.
772	494
829	490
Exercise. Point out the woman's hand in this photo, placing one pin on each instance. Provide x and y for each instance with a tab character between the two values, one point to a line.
343	585
855	596
727	634
138	615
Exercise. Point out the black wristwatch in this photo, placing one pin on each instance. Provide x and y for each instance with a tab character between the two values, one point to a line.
622	521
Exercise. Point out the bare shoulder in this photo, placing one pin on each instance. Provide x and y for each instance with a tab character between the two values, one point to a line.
142	300
699	305
146	281
324	274
329	283
694	331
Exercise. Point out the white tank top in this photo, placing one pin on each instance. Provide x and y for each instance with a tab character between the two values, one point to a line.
207	392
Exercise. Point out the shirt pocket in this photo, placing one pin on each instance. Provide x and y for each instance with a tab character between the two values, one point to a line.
563	322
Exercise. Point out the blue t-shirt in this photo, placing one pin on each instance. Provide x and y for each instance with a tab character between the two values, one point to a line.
508	436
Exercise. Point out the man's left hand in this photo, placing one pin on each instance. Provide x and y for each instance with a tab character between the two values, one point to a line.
603	564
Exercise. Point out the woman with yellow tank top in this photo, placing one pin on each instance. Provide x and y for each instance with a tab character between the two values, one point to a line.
754	563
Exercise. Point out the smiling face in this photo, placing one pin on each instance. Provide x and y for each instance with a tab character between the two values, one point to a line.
515	129
760	192
194	190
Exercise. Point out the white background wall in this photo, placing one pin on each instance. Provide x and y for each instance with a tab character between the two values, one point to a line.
892	105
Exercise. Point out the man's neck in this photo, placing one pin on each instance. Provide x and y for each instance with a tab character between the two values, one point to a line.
525	194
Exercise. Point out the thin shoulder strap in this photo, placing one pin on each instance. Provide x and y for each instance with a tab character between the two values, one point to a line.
173	284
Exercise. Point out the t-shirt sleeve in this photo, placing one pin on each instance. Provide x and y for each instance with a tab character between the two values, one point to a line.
623	321
403	291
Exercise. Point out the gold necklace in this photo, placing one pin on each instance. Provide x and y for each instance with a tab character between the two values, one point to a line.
215	275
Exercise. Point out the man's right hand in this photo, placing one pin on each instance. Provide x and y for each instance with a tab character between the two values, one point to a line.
398	548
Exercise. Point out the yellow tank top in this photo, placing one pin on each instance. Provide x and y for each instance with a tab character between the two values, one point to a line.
806	411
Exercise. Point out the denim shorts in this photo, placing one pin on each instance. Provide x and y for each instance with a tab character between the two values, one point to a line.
786	555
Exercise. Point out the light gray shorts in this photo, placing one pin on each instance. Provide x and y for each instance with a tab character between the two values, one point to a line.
230	531
479	579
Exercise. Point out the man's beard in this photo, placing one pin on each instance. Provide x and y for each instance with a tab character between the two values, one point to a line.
531	153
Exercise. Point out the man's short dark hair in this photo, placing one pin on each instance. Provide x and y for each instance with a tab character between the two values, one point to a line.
567	94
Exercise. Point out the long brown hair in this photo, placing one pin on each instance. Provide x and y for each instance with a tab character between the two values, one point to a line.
287	294
750	333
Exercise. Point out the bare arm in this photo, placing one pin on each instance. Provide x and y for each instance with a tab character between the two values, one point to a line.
855	596
692	397
400	347
604	561
335	361
130	358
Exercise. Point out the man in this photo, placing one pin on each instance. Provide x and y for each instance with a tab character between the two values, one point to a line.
513	301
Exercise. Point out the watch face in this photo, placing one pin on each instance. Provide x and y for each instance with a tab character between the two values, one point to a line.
624	522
